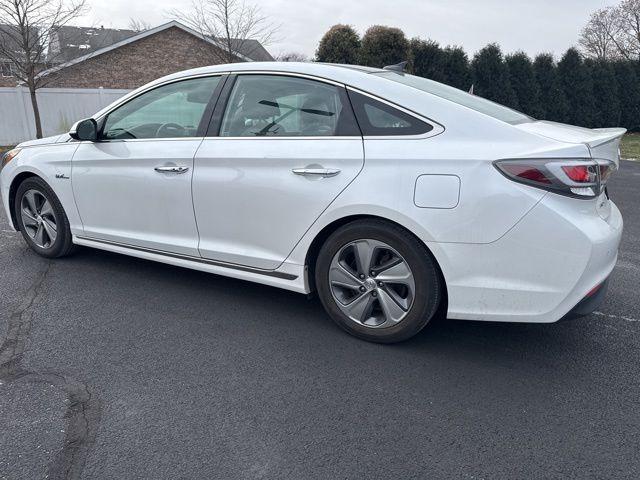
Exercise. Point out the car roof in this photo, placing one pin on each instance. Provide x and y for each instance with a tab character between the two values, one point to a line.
360	68
336	72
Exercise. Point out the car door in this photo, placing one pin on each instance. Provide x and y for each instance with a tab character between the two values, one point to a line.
133	186
285	147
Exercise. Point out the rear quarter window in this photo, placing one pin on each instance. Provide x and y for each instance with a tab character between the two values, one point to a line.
380	119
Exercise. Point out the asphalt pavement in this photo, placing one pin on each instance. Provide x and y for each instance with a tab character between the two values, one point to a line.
117	368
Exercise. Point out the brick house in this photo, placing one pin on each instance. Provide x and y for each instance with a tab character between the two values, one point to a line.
143	57
65	44
125	59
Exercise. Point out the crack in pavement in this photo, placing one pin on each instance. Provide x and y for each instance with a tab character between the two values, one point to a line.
84	410
19	328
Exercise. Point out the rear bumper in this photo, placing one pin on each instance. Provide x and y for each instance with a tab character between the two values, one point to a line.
540	270
590	303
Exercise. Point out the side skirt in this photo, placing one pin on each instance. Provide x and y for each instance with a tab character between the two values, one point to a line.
288	276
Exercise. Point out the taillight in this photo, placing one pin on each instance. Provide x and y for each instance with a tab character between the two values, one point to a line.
531	173
574	178
606	169
581	173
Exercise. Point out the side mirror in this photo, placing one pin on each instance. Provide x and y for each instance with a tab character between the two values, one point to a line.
85	130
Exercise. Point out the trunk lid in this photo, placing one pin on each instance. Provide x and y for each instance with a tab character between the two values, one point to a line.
603	143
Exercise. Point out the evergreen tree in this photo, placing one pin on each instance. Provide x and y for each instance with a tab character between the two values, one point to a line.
340	44
457	68
428	60
524	84
553	101
605	94
628	94
382	46
491	76
577	85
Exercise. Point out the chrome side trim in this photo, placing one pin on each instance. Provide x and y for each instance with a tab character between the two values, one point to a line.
233	266
277	137
141	140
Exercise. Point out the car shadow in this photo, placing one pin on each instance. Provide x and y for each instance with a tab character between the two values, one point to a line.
473	341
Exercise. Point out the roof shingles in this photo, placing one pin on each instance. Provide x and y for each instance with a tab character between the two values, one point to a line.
70	42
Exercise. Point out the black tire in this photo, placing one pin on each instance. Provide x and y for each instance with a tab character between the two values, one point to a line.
428	286
62	246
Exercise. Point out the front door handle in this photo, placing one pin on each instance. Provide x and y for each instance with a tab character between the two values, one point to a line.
316	172
172	169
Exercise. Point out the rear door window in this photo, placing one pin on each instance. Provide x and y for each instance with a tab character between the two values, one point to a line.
284	106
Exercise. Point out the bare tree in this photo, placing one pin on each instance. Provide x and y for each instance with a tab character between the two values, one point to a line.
628	34
613	32
28	26
234	24
598	37
292	57
138	25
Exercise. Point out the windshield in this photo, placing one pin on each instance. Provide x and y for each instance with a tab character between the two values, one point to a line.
460	97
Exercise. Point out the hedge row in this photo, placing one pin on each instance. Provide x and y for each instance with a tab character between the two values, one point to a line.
573	90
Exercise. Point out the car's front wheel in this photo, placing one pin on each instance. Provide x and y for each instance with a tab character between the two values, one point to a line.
41	219
377	281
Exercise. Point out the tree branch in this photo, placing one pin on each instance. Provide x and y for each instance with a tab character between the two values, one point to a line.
233	24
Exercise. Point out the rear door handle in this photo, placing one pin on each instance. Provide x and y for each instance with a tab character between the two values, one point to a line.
316	172
172	169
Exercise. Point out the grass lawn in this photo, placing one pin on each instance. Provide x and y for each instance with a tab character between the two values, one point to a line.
631	146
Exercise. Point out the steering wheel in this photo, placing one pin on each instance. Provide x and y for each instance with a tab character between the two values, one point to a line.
170	130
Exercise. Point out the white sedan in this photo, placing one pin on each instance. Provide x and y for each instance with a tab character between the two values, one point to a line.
395	198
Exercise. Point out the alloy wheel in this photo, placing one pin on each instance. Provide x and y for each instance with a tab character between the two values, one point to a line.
38	219
371	283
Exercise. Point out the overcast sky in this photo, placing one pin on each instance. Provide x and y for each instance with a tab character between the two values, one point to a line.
530	25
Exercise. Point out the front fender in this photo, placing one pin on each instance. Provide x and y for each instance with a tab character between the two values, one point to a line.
53	164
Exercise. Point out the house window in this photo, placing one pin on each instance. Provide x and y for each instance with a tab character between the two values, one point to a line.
6	69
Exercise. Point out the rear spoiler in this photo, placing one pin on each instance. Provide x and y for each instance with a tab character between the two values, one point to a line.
605	143
605	135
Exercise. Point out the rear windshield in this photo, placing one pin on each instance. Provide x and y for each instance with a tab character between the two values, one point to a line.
452	94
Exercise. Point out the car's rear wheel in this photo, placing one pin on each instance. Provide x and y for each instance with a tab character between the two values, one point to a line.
377	281
42	220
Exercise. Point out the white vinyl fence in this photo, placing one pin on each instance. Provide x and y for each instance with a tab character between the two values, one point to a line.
59	109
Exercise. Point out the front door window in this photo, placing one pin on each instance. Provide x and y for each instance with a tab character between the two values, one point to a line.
170	111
